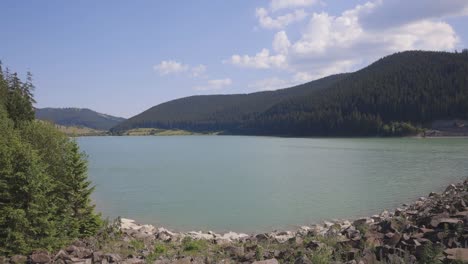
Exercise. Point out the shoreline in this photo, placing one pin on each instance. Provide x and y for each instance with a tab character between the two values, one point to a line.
434	227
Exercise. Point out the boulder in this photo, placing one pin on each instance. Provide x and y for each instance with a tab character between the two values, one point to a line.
4	260
40	257
62	255
457	254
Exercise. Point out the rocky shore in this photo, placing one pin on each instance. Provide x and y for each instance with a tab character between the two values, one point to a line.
433	229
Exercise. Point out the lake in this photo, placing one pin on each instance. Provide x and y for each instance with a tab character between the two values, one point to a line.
253	184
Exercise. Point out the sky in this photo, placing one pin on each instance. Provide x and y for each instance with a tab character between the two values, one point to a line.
123	57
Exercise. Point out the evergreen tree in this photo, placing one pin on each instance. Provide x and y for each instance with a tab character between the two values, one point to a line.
77	193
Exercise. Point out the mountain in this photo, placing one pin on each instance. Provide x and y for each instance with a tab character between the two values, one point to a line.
78	117
389	97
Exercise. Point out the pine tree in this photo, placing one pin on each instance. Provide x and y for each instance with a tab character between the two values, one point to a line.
78	191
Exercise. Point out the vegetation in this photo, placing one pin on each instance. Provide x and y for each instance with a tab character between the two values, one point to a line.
44	191
78	117
392	97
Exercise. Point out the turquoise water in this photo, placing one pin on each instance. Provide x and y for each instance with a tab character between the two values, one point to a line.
251	184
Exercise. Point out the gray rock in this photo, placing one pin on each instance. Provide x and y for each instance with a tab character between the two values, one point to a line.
40	257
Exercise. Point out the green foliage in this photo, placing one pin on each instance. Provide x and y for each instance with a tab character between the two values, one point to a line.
159	250
44	190
191	245
259	253
392	97
322	256
430	254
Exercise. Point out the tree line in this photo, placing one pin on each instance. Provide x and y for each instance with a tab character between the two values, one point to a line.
397	95
44	189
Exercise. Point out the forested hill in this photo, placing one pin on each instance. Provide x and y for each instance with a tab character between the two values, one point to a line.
389	97
80	117
204	113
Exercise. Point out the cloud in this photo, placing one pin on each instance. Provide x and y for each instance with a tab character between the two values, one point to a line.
281	43
276	5
330	44
214	85
169	67
261	60
198	71
278	22
173	67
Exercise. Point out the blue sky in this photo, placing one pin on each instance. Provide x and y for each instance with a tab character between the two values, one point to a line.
122	57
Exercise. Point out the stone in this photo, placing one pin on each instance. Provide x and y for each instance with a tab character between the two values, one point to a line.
4	260
18	259
62	255
97	256
133	261
40	257
234	251
457	254
112	258
268	261
303	260
262	237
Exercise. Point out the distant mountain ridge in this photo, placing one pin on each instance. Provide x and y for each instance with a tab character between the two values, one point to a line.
78	117
388	97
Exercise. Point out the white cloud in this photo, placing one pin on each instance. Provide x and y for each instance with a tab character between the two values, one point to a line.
266	21
281	43
213	85
169	67
261	60
276	5
331	44
173	67
198	71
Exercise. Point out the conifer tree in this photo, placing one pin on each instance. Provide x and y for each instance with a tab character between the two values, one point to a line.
78	191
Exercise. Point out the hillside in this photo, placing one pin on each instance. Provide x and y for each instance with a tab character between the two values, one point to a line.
388	97
210	113
78	117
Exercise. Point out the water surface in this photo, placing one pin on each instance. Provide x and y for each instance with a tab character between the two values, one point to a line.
254	184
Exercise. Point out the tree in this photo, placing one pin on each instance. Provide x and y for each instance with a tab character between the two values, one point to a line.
26	212
77	194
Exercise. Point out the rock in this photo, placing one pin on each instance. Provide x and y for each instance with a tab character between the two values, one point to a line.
303	260
164	234
97	256
234	251
18	259
262	237
303	230
133	261
451	222
451	187
200	235
268	261
457	254
62	255
282	236
40	257
112	258
4	260
232	236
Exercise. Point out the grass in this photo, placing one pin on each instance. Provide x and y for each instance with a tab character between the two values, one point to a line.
193	246
159	132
